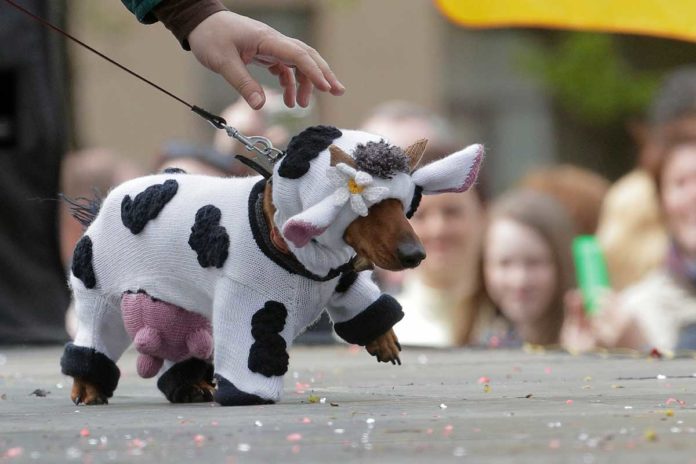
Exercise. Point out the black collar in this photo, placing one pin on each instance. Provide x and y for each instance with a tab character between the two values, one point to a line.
262	237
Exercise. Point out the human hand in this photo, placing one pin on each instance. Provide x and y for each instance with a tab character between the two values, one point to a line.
577	333
226	43
609	327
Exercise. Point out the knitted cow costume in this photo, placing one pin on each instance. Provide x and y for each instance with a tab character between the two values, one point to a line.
201	243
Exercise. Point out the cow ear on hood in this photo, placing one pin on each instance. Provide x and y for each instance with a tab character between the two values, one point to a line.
453	173
303	227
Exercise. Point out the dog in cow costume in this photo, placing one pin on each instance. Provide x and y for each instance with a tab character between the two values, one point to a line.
255	261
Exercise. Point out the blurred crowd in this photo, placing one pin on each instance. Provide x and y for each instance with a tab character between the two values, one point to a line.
500	270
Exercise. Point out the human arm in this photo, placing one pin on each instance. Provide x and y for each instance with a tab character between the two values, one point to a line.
226	43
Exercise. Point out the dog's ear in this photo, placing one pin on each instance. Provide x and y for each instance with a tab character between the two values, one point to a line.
415	153
303	227
453	173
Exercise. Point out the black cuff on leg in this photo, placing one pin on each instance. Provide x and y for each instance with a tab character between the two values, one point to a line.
229	395
183	373
92	366
374	321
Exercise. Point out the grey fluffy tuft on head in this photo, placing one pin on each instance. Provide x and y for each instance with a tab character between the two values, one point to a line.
380	159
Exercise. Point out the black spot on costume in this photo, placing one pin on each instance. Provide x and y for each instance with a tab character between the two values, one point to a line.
136	213
208	238
304	147
268	354
346	280
82	262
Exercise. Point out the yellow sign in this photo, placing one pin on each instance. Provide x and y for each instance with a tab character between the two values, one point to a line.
665	18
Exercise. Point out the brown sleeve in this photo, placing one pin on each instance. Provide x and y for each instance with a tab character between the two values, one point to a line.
182	16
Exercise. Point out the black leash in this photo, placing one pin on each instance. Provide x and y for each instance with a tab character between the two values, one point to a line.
265	155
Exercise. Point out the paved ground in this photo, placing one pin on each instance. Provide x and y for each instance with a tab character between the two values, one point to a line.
439	406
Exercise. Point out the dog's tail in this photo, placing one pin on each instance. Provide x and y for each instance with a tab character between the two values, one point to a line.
84	209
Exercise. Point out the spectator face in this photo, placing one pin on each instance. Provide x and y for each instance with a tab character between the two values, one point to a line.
448	225
679	197
519	270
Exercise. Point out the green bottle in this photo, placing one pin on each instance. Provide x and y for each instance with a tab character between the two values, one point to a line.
591	271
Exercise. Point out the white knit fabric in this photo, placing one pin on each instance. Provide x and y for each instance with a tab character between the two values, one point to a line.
160	261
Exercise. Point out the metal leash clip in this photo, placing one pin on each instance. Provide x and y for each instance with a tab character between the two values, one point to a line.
264	155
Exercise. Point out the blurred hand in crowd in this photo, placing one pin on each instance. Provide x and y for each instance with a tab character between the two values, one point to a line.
227	43
610	327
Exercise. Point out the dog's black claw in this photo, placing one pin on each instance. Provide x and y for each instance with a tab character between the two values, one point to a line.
77	400
398	345
398	361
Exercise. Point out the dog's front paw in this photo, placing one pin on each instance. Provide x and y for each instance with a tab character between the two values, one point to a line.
87	393
386	348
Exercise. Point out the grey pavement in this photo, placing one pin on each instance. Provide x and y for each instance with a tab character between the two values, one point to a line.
340	405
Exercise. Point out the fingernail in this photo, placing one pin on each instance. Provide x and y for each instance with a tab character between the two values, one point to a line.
255	100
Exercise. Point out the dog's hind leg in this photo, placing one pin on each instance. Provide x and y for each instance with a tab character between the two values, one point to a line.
250	348
189	381
100	341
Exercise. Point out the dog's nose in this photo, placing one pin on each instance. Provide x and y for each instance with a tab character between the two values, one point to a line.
410	254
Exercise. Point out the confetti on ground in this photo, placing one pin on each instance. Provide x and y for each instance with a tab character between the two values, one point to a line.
334	404
295	449
650	435
84	432
199	439
555	443
313	399
486	388
306	420
301	387
40	393
294	437
681	403
484	379
569	402
443	406
661	377
258	423
339	431
547	370
322	400
14	452
243	447
669	413
447	430
588	378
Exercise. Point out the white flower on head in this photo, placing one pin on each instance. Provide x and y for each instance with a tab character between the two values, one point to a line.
355	186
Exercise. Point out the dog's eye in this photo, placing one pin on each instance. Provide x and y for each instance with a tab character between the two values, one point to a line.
313	240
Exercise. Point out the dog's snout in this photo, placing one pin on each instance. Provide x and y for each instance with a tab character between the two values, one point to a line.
410	254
